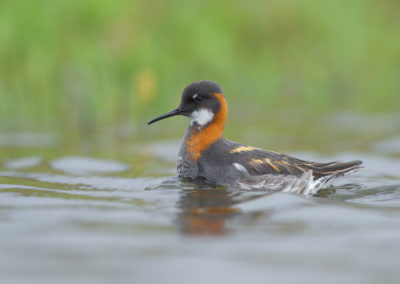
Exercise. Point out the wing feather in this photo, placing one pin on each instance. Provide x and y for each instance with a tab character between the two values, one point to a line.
260	162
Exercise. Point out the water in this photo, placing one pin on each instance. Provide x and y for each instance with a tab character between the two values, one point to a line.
82	219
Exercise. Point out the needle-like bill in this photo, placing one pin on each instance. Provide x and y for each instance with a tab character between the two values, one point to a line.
169	114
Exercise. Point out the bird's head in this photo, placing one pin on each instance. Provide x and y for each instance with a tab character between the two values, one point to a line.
201	101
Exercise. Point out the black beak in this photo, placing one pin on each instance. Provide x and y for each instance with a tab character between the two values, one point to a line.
169	114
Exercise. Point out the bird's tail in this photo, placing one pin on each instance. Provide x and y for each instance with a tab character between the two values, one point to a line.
335	169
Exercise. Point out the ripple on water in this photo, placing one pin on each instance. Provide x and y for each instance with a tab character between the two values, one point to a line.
107	227
22	163
388	197
80	190
83	165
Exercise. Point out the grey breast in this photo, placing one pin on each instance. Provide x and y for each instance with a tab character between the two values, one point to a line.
186	168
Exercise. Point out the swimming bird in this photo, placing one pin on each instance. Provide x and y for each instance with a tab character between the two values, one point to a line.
206	155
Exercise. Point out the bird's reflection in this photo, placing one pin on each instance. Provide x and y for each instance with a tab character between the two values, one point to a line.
212	210
205	211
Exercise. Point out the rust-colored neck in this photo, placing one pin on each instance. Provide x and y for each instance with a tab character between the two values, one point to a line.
200	140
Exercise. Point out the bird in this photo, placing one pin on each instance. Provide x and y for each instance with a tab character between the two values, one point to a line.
205	155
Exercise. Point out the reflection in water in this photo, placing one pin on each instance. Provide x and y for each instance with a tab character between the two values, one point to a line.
206	210
51	219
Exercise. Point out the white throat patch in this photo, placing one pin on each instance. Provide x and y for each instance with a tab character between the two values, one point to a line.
202	116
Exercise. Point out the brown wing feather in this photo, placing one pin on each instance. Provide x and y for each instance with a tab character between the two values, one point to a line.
335	169
261	162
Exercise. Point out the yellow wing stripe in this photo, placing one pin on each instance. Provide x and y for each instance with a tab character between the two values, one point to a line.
300	168
272	165
256	161
285	163
242	149
265	160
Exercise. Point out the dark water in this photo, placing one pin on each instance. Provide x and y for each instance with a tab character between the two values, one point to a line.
80	219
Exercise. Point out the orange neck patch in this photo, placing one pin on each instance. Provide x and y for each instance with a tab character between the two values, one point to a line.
201	140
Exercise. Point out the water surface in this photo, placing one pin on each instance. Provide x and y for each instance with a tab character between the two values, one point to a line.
80	218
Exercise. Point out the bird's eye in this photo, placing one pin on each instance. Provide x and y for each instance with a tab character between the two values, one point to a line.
197	98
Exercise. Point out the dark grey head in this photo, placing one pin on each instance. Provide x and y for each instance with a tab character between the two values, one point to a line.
198	102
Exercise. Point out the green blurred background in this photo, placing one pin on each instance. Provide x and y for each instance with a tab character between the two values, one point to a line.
76	68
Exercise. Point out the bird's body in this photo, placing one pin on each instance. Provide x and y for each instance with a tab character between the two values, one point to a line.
205	154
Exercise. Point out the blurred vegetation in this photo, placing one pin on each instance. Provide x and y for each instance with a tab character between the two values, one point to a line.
76	66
